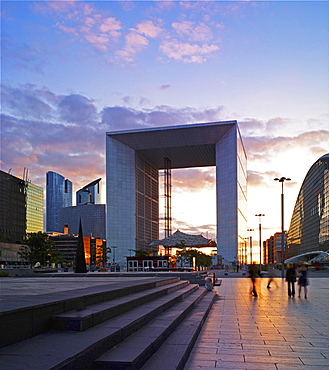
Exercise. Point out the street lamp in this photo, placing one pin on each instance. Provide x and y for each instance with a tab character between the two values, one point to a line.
114	248
250	245
282	180
260	240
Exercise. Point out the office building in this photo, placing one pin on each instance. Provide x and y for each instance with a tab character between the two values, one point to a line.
90	193
133	160
67	244
21	204
58	195
272	248
92	218
309	226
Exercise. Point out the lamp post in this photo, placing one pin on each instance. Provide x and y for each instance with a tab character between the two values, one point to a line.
260	240
250	245
282	180
114	248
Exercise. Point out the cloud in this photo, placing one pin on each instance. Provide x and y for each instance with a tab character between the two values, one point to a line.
66	133
199	32
186	52
185	41
134	43
149	29
77	109
164	87
119	118
194	179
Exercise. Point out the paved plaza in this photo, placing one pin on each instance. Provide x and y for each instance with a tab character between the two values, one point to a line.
272	331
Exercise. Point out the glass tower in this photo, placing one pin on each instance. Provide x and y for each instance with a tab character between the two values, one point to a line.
90	193
309	227
58	195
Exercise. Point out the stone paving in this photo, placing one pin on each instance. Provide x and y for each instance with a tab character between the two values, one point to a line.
272	331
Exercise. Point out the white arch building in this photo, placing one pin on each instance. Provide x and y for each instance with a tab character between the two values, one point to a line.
133	160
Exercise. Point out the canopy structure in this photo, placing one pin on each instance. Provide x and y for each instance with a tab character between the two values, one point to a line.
181	238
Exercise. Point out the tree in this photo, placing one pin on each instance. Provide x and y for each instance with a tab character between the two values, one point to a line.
102	254
201	259
142	253
39	248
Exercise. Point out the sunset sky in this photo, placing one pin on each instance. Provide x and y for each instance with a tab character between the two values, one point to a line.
72	71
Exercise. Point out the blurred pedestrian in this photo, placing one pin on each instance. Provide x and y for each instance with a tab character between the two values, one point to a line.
253	272
291	279
271	278
302	280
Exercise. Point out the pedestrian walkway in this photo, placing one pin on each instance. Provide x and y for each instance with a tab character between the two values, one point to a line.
272	331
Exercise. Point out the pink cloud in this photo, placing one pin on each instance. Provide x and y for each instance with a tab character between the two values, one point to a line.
149	29
195	33
187	53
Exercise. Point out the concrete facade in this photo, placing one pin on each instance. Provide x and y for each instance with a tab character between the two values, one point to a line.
209	144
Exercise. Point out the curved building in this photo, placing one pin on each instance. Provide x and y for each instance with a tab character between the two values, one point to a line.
309	227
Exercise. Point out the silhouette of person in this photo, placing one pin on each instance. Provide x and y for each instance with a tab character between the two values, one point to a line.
291	279
302	280
252	274
271	278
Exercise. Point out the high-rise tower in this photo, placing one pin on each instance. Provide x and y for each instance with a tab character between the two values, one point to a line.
58	195
90	193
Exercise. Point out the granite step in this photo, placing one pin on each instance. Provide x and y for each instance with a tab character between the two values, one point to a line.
28	320
179	345
80	320
136	350
70	350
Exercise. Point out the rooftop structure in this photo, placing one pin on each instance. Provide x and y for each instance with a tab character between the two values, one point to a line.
90	193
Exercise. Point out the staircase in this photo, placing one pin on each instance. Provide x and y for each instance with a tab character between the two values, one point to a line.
142	326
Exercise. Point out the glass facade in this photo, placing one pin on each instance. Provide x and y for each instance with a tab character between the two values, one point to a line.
21	208
147	204
242	199
58	195
92	218
309	227
34	208
90	193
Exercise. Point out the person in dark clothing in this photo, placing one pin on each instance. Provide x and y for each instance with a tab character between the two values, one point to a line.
302	280
291	279
253	274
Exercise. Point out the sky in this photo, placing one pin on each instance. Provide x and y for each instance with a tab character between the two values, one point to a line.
72	71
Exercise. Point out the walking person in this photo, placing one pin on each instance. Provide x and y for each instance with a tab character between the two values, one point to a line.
291	279
302	280
252	274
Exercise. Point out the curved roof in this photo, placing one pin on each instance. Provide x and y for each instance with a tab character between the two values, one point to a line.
178	237
315	256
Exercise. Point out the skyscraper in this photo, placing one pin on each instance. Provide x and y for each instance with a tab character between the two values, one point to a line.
90	193
58	195
21	208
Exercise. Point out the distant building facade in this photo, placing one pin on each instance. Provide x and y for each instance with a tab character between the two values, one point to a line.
21	205
58	195
309	227
67	244
90	193
92	218
272	248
